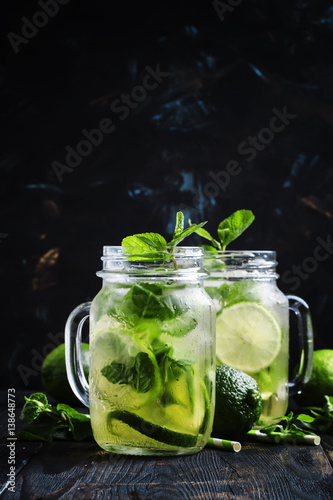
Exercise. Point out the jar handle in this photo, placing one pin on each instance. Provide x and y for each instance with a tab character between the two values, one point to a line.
305	335
73	339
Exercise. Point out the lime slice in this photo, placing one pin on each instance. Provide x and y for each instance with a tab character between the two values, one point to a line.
248	337
161	434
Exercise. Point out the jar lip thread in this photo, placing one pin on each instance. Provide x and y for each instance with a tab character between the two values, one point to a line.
178	251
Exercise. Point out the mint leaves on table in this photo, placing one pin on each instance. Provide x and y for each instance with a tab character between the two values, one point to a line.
156	244
288	430
45	422
315	420
228	230
321	417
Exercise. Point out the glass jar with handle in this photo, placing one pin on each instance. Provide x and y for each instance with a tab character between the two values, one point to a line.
152	353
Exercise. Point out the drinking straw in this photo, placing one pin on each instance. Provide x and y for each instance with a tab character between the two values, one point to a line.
256	435
224	444
307	439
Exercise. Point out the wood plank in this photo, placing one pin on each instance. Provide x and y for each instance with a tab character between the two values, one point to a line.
82	470
327	444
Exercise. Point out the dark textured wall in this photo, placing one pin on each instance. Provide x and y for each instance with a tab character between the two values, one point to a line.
203	139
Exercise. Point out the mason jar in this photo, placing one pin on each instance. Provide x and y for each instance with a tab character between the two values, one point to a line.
252	325
152	353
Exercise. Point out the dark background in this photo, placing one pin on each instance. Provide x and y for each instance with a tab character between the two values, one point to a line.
225	77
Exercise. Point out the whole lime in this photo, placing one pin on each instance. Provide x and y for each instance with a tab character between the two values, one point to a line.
54	375
238	403
321	381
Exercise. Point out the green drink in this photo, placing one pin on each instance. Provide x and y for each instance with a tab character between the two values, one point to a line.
252	325
152	354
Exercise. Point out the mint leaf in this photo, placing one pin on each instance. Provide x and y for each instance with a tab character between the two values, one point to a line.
322	417
232	227
180	233
236	292
149	300
42	429
78	423
140	376
184	234
34	405
205	234
179	228
180	325
145	243
228	230
150	303
209	248
171	370
45	422
305	418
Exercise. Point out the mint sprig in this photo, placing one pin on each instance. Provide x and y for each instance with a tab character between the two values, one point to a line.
45	422
288	430
228	230
154	244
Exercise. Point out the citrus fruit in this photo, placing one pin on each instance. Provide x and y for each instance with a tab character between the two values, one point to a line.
321	381
54	375
248	337
238	403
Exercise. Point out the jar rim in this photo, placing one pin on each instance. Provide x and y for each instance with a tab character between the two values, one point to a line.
117	253
164	260
242	264
240	253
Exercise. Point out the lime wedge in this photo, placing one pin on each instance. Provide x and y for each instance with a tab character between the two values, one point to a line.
157	432
248	337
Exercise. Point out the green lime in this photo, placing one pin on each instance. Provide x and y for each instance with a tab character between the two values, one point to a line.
238	403
248	337
54	375
153	431
321	381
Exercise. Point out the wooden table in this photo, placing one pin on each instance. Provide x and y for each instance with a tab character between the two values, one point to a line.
77	470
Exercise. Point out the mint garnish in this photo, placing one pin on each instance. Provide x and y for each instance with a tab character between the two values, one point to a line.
154	244
144	243
228	230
